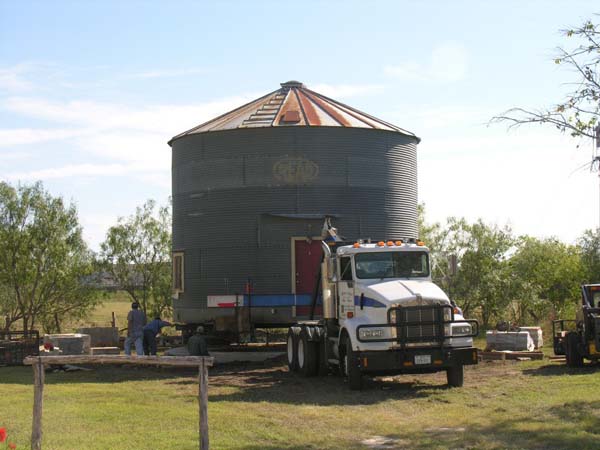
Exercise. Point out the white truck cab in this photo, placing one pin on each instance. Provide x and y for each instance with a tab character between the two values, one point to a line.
382	314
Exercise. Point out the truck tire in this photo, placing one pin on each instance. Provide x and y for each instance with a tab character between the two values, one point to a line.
292	350
350	366
307	354
455	376
323	368
572	355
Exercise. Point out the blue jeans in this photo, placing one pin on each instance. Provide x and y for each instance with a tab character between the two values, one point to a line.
138	339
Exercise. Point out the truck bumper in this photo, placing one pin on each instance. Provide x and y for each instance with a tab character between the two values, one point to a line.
415	360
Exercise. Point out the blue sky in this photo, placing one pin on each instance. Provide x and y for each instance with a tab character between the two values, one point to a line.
90	93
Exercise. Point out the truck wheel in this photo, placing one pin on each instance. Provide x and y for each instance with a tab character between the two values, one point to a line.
572	354
323	364
307	354
350	367
455	376
292	350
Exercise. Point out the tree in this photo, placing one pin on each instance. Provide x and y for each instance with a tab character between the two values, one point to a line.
589	244
579	113
43	258
480	282
545	278
137	253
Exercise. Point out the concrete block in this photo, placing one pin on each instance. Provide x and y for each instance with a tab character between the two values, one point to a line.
509	340
70	344
536	335
102	336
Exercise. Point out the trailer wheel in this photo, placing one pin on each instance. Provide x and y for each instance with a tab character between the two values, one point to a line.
455	376
292	350
572	355
307	354
349	365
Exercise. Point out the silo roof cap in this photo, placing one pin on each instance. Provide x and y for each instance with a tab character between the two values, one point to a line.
293	105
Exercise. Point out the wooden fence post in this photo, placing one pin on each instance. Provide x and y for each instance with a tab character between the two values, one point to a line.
203	404
38	404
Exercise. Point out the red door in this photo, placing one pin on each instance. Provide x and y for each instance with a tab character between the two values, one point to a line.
308	260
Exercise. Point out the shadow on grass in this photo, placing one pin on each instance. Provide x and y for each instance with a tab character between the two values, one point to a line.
562	369
575	425
275	384
269	381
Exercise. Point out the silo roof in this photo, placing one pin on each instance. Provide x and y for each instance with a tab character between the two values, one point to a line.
293	105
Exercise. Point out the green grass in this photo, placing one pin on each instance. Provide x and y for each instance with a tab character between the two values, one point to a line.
538	404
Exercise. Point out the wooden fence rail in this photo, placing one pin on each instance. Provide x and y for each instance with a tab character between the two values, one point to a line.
38	363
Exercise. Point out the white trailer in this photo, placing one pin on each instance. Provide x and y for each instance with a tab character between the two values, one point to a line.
382	314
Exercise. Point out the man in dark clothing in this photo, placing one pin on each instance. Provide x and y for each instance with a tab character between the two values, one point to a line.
197	344
150	332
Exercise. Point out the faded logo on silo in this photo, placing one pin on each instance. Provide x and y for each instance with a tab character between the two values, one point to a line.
295	170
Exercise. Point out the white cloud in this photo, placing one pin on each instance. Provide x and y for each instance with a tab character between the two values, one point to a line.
167	73
346	90
448	62
12	78
126	140
71	170
21	136
525	179
101	116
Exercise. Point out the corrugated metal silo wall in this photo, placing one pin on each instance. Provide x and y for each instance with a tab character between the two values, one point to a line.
234	192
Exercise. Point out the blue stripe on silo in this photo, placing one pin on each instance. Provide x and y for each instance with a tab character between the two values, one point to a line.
280	300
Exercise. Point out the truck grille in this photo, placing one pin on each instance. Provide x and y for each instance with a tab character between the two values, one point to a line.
420	324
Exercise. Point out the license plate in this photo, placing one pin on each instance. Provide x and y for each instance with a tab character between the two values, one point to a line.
422	359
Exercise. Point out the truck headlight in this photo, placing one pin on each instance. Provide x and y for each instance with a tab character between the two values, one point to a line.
462	330
370	333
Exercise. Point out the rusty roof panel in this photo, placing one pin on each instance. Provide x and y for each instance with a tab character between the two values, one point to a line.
294	105
290	104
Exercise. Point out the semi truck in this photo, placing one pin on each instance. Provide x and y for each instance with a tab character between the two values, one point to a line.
382	315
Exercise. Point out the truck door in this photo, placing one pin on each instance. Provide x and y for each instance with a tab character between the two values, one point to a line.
345	289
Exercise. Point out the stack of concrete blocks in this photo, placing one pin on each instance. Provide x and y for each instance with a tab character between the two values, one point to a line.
70	344
516	341
104	340
536	335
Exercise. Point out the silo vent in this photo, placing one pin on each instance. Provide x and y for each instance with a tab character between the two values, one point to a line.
292	84
291	116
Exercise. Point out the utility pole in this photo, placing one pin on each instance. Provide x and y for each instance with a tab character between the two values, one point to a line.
596	161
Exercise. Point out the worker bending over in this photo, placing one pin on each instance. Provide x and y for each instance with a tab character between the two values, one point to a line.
150	331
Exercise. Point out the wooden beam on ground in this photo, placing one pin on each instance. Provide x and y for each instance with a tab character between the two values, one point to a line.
38	363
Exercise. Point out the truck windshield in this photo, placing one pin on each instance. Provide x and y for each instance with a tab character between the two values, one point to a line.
392	265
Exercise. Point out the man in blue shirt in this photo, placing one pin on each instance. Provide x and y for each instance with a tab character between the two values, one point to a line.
150	332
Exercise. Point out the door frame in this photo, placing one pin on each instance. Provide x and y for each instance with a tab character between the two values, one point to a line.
293	241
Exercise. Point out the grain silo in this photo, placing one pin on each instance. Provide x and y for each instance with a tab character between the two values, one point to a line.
251	189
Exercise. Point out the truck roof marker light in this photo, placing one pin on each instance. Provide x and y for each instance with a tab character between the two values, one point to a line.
390	243
420	243
398	243
381	244
356	245
349	314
